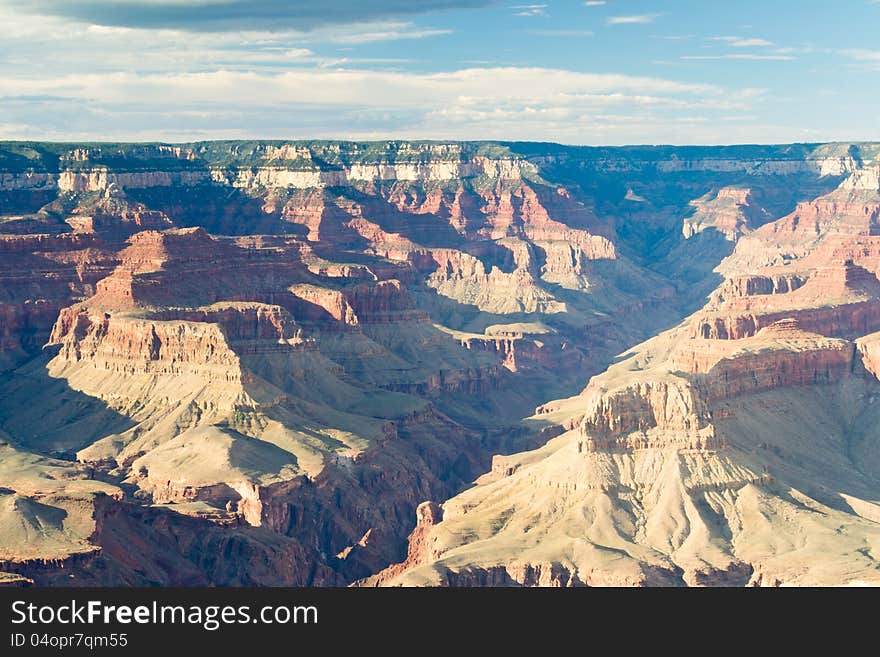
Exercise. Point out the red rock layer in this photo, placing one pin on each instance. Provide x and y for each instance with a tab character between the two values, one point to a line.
39	275
748	285
702	373
136	346
419	551
841	299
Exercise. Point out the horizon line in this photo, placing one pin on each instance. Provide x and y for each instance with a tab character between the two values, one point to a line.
346	140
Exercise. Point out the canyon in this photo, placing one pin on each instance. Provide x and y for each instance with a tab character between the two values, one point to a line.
439	364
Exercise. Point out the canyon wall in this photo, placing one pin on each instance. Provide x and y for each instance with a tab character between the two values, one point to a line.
268	363
737	448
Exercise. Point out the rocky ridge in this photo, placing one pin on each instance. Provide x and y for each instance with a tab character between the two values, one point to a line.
695	459
255	360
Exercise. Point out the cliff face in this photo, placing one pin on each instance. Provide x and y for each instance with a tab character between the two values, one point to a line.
415	161
196	342
737	448
731	211
839	299
40	274
256	360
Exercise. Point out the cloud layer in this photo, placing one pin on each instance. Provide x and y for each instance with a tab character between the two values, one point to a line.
212	15
197	69
474	103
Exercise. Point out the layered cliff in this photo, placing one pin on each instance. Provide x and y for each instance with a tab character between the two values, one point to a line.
739	448
276	352
39	275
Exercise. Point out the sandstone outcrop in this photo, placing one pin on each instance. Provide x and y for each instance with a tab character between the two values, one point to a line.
730	211
249	363
738	448
39	275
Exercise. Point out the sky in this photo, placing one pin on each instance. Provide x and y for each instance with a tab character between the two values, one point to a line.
570	71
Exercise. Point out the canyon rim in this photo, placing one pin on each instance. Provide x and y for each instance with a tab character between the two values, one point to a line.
299	298
265	363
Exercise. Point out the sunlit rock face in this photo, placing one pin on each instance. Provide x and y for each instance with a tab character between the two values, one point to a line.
269	363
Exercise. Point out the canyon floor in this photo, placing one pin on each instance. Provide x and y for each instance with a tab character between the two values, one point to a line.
439	364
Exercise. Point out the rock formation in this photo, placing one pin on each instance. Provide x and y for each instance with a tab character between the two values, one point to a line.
251	363
739	448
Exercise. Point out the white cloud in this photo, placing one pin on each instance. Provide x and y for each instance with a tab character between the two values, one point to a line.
862	54
529	10
595	3
486	103
744	42
406	31
73	47
229	15
636	19
742	56
69	80
864	59
175	85
341	86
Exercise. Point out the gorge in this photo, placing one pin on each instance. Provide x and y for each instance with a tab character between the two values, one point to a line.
422	363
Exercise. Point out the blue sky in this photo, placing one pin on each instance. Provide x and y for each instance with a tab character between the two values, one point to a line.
614	72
